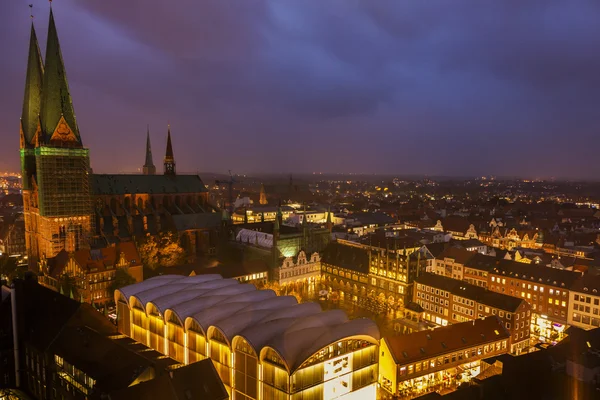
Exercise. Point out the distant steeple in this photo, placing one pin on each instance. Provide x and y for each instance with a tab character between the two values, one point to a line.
56	98
278	218
149	168
328	223
33	89
169	158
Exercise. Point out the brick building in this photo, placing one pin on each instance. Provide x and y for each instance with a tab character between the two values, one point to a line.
448	301
546	289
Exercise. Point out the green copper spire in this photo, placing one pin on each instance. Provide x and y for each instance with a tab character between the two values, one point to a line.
33	88
56	98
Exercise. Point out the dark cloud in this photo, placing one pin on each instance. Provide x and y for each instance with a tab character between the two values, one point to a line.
497	87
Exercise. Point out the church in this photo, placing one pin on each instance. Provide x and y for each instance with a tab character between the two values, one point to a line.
67	207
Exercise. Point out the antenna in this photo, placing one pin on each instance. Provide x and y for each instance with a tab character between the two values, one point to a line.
31	11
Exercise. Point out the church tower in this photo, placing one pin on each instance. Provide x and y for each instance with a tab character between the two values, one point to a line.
169	168
30	127
149	168
56	196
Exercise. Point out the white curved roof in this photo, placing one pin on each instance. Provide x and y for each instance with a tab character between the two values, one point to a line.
276	308
298	345
188	293
197	305
130	290
240	311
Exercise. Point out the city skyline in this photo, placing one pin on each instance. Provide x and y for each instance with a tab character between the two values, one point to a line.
240	85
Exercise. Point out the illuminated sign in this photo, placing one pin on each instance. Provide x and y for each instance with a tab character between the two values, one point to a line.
337	376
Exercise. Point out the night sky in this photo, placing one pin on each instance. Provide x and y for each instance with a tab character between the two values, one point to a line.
507	87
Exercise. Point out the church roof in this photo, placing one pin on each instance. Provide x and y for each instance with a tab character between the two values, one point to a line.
33	88
103	184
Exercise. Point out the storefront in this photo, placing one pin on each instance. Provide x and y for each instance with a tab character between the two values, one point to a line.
545	330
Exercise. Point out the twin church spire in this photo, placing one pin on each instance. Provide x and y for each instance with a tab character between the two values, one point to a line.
48	116
169	161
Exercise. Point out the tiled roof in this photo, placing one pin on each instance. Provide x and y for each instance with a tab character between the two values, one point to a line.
472	292
348	257
589	284
535	273
456	224
460	255
431	343
106	184
482	262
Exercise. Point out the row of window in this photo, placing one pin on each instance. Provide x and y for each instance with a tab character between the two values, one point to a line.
584	308
433	299
586	299
407	370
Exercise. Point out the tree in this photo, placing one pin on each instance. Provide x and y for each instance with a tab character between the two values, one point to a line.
122	279
170	252
148	250
161	250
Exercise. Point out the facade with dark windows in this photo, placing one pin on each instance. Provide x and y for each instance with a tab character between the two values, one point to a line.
360	271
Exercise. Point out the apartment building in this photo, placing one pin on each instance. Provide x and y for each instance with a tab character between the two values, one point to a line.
584	303
449	301
477	269
546	289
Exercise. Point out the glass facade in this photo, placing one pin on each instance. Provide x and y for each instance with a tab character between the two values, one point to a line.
345	368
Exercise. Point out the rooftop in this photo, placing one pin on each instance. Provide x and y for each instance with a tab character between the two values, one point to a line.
432	343
535	273
471	292
117	184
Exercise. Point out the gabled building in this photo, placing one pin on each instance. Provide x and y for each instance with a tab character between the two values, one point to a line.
459	227
92	271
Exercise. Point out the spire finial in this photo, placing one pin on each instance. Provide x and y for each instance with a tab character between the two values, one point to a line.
31	12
